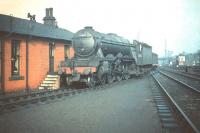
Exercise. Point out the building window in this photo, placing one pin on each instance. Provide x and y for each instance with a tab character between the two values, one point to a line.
66	52
52	49
15	57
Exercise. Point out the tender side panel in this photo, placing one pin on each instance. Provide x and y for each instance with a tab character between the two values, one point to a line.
154	58
144	54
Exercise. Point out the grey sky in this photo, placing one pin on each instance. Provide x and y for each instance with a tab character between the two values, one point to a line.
176	21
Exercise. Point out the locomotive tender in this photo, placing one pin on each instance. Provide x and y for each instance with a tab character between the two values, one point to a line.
103	58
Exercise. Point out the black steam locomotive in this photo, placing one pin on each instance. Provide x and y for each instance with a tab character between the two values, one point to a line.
104	58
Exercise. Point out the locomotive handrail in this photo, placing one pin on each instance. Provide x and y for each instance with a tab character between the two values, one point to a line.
118	43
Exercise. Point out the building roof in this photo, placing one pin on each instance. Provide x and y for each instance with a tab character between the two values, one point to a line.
27	27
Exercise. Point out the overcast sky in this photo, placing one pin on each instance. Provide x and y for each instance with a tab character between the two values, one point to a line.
150	21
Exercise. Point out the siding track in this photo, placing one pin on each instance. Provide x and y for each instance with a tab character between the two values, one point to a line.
185	98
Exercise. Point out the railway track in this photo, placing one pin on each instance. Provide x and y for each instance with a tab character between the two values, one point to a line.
14	100
181	72
184	98
193	82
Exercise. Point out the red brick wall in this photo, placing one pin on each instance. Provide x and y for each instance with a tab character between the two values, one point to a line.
14	85
59	55
72	52
38	62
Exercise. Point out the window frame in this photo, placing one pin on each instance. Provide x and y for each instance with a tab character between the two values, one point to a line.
15	55
52	51
66	52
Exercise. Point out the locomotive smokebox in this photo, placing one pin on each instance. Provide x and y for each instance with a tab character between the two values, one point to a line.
84	42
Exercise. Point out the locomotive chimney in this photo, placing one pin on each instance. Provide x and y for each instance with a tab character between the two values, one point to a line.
88	27
49	19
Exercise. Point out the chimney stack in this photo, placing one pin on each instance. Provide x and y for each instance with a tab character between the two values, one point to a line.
51	12
47	12
49	19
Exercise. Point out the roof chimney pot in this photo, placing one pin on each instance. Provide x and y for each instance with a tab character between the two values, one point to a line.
49	19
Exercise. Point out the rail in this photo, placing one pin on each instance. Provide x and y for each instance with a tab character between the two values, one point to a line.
178	81
186	118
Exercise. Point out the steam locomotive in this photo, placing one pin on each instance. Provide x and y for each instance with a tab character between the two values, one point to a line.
104	58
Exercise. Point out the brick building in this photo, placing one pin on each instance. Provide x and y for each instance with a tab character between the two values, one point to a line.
30	51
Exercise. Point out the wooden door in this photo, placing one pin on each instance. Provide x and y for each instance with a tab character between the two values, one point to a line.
51	57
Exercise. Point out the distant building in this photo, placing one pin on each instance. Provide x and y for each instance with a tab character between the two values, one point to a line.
181	60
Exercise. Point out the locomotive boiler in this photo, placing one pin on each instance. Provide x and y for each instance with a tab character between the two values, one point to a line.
100	58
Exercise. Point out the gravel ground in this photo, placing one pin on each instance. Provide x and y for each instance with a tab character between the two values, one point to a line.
123	108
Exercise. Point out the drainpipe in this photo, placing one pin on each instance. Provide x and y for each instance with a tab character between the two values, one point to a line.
1	42
27	62
28	39
2	65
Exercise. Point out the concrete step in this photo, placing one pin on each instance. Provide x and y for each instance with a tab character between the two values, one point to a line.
47	85
49	88
51	79
48	82
52	76
40	88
